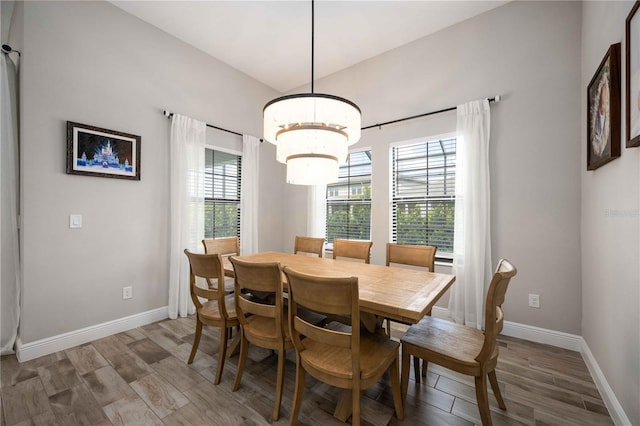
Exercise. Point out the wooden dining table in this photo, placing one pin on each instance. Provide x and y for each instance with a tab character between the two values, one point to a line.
401	294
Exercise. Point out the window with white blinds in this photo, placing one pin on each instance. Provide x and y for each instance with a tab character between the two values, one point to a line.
423	194
222	194
349	200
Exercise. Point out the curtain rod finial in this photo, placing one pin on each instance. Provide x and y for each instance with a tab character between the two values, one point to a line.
497	98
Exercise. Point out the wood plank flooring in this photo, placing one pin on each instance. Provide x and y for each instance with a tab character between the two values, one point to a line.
140	377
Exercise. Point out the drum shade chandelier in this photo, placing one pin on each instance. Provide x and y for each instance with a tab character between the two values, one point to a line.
312	131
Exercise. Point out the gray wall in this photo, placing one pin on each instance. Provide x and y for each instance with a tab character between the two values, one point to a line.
92	63
528	52
610	228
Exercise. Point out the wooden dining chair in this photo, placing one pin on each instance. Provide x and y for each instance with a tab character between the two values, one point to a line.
262	324
411	255
308	245
226	247
346	358
219	310
352	249
463	349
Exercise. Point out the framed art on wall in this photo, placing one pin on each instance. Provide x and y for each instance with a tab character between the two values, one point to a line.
632	48
603	111
94	151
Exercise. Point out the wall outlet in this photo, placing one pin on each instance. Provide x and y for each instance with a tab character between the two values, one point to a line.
127	292
534	300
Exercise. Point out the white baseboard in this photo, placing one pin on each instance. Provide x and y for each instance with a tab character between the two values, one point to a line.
613	405
28	351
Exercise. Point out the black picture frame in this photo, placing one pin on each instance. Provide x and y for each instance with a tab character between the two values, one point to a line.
603	111
94	151
632	68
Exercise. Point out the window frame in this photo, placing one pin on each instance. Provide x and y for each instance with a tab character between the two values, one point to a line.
210	199
369	201
441	256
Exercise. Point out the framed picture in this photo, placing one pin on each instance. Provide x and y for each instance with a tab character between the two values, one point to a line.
94	151
603	111
632	47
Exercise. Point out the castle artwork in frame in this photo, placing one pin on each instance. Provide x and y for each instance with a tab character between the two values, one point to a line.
603	111
94	151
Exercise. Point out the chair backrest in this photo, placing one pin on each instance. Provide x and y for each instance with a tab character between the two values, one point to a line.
494	317
224	246
352	249
262	277
209	268
423	256
325	295
309	245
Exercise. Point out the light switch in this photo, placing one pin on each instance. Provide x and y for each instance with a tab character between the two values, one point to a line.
75	221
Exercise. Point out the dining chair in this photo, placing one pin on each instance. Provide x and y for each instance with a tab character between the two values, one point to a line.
411	255
464	349
342	357
352	249
226	247
219	310
261	324
308	245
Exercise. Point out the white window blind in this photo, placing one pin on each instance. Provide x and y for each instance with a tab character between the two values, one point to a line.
349	200
222	194
423	194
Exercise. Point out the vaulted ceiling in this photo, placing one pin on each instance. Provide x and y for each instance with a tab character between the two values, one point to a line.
271	40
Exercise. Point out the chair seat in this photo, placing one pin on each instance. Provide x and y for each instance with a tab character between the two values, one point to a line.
446	340
376	354
264	328
210	309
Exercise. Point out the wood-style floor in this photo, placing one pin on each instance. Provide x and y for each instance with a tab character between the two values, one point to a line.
141	377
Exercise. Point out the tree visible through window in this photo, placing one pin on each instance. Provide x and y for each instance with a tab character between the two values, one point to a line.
423	198
222	194
349	200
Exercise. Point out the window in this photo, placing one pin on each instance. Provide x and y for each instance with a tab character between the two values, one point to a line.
222	194
423	194
349	200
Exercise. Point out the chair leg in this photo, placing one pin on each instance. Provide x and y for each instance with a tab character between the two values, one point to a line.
297	395
404	381
425	364
224	333
244	350
483	401
355	403
279	384
395	390
196	340
416	368
496	389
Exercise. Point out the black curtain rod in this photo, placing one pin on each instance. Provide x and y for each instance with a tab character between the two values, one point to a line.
494	99
170	114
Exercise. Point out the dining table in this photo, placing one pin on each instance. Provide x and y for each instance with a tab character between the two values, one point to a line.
400	294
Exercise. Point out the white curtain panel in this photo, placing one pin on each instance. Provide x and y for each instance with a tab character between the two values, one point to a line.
472	240
249	195
316	211
10	249
188	137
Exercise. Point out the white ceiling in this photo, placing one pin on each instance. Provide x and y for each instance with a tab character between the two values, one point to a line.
271	40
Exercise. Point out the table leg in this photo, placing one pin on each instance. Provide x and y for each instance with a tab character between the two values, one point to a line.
234	344
343	408
373	323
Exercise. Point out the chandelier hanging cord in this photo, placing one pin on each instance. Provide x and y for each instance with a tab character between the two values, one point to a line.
312	41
